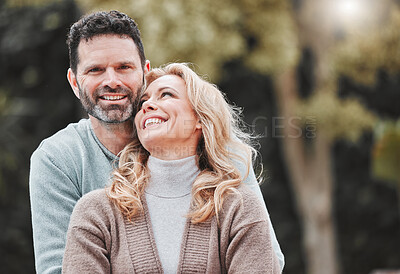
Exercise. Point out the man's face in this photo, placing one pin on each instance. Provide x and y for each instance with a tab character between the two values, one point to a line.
109	77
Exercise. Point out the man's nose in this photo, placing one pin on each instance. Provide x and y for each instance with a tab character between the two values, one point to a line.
112	79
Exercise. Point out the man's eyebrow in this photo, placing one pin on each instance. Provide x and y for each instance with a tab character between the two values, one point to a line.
127	63
94	65
90	66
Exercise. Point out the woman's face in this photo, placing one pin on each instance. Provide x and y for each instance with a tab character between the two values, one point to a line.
167	126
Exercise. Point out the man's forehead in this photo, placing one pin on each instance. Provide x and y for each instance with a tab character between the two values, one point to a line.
100	39
105	35
121	48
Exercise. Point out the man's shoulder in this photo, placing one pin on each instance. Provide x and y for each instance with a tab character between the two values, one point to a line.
72	137
70	134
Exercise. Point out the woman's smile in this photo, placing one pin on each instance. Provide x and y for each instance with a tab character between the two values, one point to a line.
152	121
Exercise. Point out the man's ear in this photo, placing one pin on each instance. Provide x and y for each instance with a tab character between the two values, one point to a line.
147	67
73	82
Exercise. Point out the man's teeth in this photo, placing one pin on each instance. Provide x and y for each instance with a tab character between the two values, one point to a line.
153	121
113	98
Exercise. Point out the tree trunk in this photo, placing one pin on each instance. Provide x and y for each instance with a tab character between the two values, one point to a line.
312	180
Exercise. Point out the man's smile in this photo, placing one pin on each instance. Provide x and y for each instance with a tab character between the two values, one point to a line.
112	98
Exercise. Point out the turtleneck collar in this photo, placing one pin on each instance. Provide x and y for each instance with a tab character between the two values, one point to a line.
171	178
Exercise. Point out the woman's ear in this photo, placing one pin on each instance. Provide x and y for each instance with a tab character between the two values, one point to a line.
198	125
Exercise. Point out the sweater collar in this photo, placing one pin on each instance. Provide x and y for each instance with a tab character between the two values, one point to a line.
172	178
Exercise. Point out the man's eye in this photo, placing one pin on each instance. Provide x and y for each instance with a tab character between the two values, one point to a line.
124	67
94	70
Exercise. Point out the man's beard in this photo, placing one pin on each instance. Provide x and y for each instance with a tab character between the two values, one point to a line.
113	113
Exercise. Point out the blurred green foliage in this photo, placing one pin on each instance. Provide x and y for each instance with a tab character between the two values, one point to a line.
377	47
338	118
29	3
386	152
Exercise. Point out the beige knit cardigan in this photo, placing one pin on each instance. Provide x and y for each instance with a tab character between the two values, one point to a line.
101	240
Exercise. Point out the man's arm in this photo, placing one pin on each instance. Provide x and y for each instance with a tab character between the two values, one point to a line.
252	183
53	195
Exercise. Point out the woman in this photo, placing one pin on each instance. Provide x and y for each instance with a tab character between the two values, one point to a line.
177	202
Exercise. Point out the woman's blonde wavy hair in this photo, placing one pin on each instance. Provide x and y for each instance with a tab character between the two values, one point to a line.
222	141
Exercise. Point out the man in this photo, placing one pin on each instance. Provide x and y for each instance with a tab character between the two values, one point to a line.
107	68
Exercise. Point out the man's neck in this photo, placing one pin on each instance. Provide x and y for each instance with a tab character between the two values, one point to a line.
113	136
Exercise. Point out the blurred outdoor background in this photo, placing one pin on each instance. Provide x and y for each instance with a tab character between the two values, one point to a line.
318	80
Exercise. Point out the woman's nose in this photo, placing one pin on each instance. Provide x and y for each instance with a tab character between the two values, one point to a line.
149	106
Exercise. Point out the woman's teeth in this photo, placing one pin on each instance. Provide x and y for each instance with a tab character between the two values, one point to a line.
153	121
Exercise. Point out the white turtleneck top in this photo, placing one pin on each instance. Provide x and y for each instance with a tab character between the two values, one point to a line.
168	196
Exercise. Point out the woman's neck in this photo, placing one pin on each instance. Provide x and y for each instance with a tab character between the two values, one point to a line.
169	152
171	178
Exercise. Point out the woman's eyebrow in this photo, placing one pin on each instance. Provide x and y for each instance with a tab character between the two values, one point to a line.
166	87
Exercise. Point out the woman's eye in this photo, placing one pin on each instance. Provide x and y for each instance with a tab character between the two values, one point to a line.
141	102
166	93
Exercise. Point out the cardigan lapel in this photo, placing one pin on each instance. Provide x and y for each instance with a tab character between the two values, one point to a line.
141	243
195	248
143	249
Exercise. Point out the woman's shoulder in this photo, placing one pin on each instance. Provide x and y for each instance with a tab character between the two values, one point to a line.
244	196
244	206
94	198
94	205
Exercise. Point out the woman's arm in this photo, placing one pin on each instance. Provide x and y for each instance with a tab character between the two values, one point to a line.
88	239
251	183
250	251
245	232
